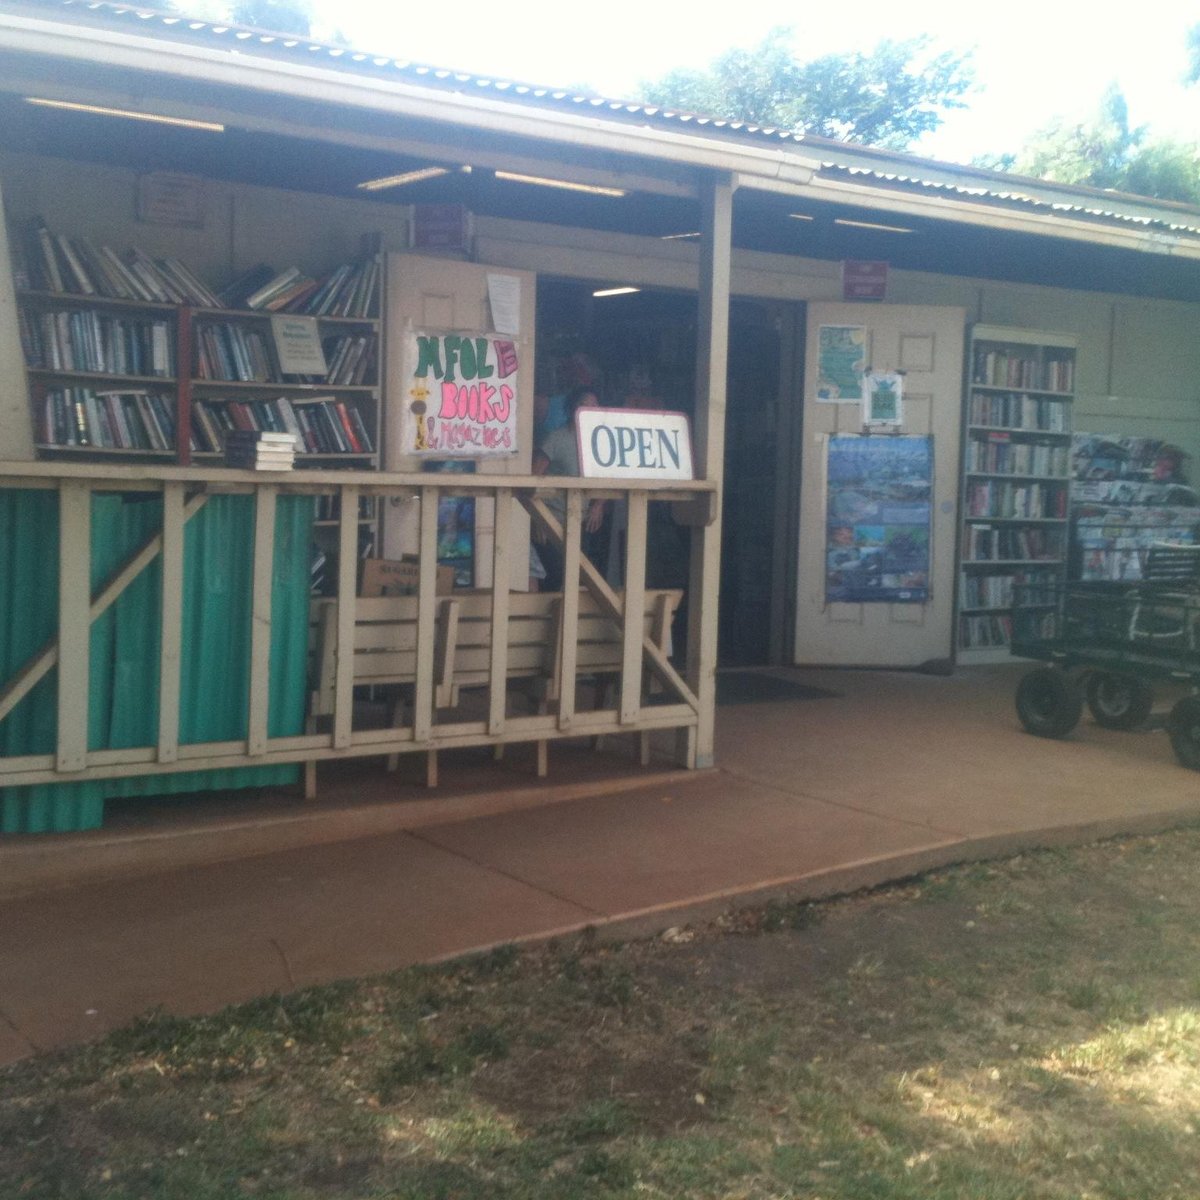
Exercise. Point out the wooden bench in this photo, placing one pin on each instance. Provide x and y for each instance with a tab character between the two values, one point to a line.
385	648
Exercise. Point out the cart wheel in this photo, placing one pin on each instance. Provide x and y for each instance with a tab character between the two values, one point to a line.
1183	726
1049	703
1118	701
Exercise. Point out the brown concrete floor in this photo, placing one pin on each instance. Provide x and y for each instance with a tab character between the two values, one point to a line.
897	773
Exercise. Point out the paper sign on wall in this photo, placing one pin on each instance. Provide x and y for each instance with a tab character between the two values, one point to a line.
504	299
630	443
883	402
459	395
841	361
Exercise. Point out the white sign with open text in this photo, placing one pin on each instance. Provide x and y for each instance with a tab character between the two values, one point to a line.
630	443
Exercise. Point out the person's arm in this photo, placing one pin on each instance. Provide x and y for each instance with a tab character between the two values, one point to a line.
541	462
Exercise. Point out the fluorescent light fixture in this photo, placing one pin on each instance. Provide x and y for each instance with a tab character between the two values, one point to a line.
617	291
591	188
99	110
391	181
870	225
675	237
801	217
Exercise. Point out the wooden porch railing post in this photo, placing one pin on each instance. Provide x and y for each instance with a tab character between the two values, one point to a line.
260	618
633	627
426	617
74	628
501	583
171	648
568	647
347	603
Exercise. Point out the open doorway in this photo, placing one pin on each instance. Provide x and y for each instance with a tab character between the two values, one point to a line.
638	349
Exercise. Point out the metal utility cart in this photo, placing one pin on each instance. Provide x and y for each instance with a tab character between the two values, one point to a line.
1108	643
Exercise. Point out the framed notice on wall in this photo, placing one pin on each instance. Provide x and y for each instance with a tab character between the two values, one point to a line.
459	395
878	517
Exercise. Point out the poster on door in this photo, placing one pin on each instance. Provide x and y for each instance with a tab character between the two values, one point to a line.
878	518
459	395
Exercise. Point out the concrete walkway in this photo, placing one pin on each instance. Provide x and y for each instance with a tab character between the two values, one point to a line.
894	774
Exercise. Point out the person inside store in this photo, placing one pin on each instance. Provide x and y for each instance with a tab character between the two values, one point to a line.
558	454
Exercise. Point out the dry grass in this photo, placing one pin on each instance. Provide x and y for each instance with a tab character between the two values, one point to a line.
1022	1029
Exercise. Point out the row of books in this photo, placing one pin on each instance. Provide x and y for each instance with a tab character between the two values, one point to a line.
984	632
1032	501
1010	368
1018	411
53	262
86	340
231	352
983	543
998	454
349	291
350	360
977	590
112	420
321	426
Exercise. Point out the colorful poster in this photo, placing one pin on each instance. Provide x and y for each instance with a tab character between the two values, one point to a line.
459	395
878	518
841	362
883	404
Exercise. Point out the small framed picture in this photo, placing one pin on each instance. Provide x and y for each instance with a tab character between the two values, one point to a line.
883	399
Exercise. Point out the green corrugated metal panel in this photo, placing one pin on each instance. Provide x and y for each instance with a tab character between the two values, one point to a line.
123	692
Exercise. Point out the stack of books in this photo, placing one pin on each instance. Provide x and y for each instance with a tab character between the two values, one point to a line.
257	450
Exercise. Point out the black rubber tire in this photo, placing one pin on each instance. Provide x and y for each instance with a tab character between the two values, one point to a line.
1183	727
1049	703
1118	701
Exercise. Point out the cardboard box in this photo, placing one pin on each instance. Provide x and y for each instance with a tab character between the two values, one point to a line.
399	577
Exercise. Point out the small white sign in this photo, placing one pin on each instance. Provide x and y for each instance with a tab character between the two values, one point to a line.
631	443
504	297
298	346
164	198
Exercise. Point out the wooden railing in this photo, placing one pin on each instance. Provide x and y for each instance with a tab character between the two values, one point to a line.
185	490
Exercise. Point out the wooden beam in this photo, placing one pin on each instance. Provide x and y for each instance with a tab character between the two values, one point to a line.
23	682
712	360
426	617
347	588
260	620
74	628
501	584
170	654
634	631
568	633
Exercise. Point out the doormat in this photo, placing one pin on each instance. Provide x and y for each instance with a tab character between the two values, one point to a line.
748	687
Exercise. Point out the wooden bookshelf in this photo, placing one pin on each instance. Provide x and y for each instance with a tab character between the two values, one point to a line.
1015	499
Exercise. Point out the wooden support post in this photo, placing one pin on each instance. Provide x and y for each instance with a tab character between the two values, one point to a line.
347	591
171	647
260	620
74	628
634	633
712	354
426	621
501	583
568	644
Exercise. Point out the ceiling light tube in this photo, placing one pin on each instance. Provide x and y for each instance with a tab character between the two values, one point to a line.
675	237
870	225
130	114
801	217
391	181
616	291
592	188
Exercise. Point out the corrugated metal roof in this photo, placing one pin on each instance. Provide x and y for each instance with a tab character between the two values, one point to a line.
840	160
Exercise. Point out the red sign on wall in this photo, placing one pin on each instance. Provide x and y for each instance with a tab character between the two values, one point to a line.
864	280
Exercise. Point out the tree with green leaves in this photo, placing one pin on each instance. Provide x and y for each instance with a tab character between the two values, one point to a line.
887	97
1104	151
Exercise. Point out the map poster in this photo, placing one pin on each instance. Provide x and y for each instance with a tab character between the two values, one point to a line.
877	519
841	362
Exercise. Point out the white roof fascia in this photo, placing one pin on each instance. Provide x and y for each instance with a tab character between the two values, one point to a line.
114	48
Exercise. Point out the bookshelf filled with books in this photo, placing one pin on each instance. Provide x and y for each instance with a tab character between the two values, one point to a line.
128	355
1016	473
